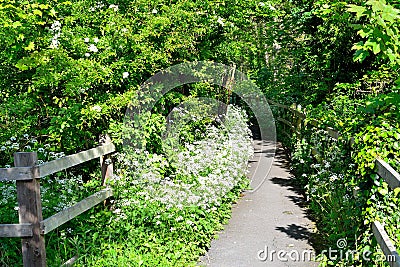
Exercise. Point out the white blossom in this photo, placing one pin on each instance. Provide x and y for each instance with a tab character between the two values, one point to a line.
114	7
221	21
93	48
96	108
55	28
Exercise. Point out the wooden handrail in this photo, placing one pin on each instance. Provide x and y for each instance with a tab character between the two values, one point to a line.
68	214
385	171
75	159
16	174
16	230
295	111
40	171
392	256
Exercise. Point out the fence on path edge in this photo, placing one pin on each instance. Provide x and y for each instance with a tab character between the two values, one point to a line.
294	119
32	228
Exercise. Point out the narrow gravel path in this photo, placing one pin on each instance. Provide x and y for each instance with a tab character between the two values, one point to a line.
268	227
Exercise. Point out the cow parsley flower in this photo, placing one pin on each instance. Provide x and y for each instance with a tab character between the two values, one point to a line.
125	75
93	48
221	21
96	108
115	7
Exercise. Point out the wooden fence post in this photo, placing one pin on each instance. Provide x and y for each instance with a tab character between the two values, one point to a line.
30	211
107	168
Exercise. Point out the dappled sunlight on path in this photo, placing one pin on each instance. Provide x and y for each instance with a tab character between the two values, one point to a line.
267	220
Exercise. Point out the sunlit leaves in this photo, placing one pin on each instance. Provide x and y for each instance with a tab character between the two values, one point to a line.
381	31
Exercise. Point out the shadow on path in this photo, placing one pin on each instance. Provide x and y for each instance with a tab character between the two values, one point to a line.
272	217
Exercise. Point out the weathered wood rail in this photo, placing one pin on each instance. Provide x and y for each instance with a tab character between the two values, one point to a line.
383	169
32	228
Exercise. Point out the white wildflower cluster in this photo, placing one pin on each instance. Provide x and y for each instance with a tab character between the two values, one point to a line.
8	193
125	75
55	29
92	47
220	21
205	171
99	5
113	7
50	185
329	172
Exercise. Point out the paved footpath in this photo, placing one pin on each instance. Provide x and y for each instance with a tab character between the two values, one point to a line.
268	225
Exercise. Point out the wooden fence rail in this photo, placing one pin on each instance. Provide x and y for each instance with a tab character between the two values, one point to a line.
383	169
32	228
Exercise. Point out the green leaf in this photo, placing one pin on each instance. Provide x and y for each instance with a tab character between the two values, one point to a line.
30	47
37	12
396	191
52	12
360	55
383	191
21	66
396	145
43	6
376	48
16	24
359	10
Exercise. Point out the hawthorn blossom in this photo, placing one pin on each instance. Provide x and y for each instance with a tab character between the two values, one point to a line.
55	29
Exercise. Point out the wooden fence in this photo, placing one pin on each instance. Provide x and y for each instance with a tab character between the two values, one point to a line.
32	228
294	119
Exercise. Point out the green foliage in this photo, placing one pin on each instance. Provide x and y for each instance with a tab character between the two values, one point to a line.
381	30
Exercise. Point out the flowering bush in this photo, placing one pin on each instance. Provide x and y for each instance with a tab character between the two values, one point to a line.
203	173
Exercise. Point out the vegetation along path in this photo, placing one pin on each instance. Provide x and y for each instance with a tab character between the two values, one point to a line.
267	220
